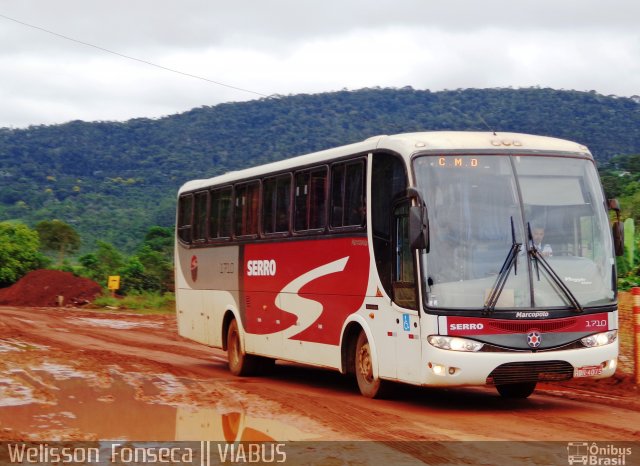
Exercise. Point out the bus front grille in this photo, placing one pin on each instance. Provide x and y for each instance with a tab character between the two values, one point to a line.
516	372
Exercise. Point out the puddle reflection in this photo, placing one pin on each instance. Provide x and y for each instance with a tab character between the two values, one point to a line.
64	404
208	424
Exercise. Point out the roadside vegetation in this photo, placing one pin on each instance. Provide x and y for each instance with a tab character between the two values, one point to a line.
142	302
146	276
621	179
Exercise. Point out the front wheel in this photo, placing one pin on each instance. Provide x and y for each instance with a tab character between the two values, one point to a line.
240	363
516	390
370	386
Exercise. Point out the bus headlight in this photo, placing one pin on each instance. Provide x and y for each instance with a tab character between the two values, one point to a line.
454	343
600	339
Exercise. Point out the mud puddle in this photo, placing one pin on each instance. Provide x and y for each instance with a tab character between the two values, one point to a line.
48	399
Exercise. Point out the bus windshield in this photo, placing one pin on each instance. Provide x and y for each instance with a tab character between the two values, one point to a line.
480	206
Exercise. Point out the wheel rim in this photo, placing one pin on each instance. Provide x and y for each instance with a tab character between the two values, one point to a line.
364	363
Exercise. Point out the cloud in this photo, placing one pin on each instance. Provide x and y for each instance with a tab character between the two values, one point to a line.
287	46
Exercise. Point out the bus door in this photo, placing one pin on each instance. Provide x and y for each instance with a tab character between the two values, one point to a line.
405	297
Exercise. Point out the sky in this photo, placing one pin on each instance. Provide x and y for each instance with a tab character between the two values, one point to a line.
106	60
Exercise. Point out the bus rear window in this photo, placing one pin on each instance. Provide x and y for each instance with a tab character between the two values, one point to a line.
200	216
185	212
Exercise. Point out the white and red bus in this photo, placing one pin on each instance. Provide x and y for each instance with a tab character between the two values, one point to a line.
435	259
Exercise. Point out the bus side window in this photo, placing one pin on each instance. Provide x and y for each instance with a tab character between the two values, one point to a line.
310	199
347	194
318	199
185	213
301	196
283	204
246	209
354	195
220	213
276	196
200	216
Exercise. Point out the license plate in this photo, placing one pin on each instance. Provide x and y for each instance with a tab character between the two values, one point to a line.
587	371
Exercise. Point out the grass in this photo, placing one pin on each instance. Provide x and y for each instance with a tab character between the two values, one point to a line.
144	302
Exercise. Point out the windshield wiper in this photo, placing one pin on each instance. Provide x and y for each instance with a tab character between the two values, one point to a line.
541	261
511	262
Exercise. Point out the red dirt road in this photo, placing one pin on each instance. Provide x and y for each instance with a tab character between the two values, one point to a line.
69	374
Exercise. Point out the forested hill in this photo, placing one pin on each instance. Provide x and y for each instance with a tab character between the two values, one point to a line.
112	180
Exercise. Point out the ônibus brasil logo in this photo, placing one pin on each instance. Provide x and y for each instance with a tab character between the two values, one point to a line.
596	454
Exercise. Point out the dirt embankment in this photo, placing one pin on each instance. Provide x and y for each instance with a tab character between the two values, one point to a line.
50	288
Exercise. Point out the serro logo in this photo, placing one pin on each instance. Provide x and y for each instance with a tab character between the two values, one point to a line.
473	326
261	268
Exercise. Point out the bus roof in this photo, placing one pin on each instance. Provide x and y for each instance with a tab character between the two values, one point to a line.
407	144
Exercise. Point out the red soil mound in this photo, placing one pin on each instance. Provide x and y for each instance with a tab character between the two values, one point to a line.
43	287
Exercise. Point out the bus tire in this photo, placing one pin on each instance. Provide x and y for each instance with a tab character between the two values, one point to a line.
240	363
516	390
370	386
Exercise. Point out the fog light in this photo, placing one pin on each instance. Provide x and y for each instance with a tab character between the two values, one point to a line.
438	369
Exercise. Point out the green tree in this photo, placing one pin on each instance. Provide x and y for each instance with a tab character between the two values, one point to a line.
158	269
58	236
105	261
19	253
160	239
134	277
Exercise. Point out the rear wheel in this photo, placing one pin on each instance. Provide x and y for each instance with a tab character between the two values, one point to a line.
370	386
240	363
516	390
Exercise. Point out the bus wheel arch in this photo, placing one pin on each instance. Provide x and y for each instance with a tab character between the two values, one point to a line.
226	321
365	368
348	347
359	359
240	363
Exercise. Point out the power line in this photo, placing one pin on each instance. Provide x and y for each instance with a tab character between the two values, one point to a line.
146	62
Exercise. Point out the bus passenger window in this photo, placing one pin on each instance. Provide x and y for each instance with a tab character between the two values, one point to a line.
318	201
301	197
185	211
200	217
347	195
276	196
337	195
354	195
310	200
246	209
220	216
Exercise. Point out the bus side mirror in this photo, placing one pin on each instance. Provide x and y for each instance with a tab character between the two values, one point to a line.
418	228
618	238
618	228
